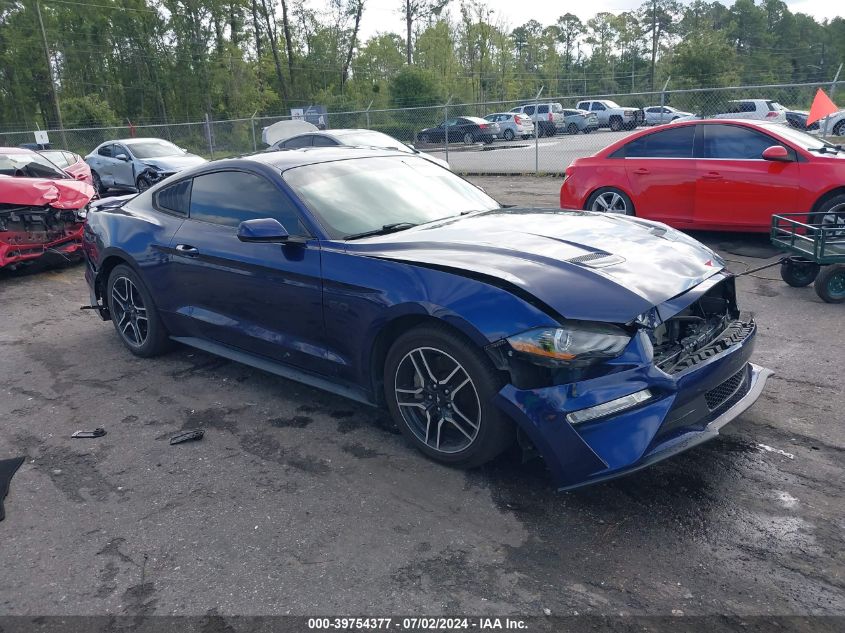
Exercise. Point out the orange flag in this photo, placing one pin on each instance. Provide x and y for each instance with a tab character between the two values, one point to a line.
822	107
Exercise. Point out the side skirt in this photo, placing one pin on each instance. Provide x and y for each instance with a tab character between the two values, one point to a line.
285	371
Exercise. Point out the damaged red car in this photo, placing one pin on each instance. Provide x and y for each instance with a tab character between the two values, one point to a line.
42	209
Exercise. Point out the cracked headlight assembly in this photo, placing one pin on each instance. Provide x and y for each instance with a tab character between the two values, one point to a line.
576	345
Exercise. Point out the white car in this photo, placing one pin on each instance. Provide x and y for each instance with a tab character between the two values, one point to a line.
762	109
512	125
657	115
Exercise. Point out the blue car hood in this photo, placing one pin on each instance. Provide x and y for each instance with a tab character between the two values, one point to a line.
581	265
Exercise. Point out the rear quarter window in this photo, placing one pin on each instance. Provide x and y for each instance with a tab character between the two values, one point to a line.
174	199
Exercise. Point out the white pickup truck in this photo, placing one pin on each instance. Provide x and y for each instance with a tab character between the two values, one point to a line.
611	114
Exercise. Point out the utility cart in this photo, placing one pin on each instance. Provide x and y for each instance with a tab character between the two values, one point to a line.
817	252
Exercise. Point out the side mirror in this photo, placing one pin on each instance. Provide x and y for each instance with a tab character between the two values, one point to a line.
122	157
776	153
268	230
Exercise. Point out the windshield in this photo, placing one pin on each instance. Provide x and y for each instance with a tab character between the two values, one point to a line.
802	139
29	165
155	149
369	138
56	157
365	194
611	104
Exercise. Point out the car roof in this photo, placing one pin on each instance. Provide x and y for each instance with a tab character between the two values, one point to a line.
474	119
288	158
16	150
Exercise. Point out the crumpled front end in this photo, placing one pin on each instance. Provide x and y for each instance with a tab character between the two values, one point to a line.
41	218
685	374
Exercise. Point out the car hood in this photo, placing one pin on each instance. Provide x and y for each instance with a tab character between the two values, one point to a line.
175	163
38	192
581	265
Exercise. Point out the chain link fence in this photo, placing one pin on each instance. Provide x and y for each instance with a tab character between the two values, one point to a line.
476	153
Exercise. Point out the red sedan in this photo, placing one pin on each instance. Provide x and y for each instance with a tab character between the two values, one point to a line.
712	175
70	162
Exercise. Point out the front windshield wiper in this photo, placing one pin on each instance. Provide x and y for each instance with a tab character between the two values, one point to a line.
824	149
384	230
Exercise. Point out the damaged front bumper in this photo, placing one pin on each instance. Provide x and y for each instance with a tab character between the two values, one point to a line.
30	233
680	410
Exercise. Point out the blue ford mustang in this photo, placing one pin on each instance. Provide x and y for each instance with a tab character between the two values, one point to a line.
606	342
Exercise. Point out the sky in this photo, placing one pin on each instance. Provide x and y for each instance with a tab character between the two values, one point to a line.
384	16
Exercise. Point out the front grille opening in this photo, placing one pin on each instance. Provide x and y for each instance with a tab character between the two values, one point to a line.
729	392
706	328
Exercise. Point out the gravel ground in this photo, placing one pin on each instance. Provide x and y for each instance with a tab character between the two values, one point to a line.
301	502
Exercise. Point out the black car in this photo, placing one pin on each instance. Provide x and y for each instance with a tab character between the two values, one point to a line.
798	120
464	129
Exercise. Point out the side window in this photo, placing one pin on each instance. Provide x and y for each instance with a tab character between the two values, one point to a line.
105	150
324	141
529	110
748	106
543	109
298	141
598	107
231	197
583	105
176	198
673	143
120	149
734	141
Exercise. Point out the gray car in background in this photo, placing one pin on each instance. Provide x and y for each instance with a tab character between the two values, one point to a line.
512	125
575	121
137	163
657	115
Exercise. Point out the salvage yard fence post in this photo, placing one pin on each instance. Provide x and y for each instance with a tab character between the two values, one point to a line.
208	134
832	92
537	132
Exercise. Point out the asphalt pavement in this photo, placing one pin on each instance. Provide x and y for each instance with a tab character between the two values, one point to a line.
301	502
547	155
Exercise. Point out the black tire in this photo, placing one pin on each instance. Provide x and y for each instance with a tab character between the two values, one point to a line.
153	339
494	433
98	183
509	135
839	129
831	212
572	129
830	284
607	191
469	139
143	183
424	139
798	274
615	124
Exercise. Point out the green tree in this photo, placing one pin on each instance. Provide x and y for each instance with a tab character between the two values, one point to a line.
415	87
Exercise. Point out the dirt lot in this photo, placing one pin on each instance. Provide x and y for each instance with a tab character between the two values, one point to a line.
301	502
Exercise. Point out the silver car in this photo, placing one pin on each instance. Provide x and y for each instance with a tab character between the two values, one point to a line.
137	163
657	115
512	125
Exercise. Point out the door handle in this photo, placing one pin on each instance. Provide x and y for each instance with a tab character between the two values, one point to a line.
712	175
641	171
187	250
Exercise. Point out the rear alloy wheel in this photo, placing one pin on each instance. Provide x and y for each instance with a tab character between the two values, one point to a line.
610	200
572	129
143	183
509	135
798	273
440	391
98	184
134	316
468	139
830	284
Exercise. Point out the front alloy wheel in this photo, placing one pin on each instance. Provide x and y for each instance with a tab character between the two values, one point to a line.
143	183
437	399
440	389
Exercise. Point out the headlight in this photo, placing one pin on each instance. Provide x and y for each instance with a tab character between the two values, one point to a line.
571	346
